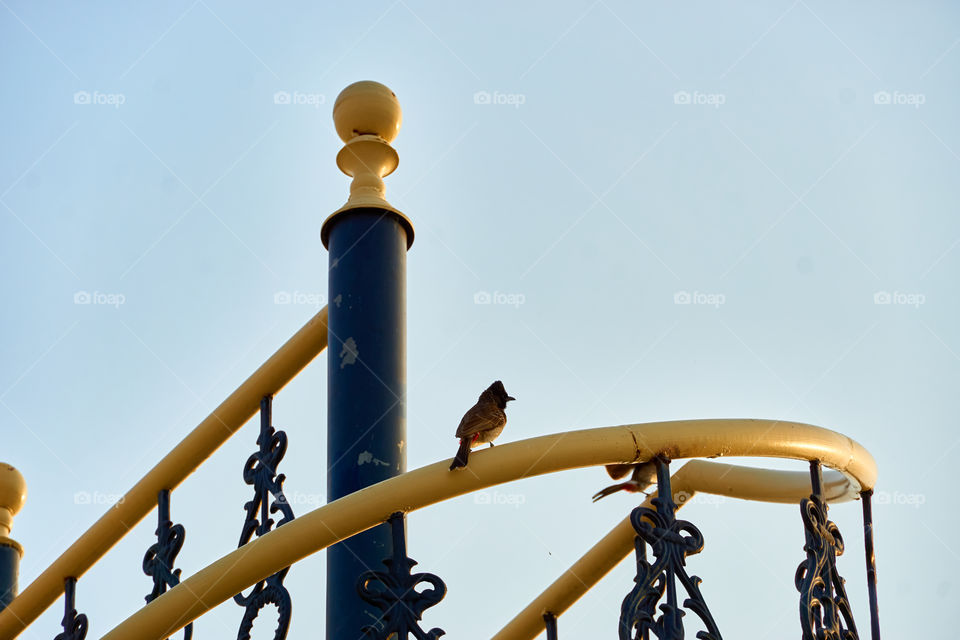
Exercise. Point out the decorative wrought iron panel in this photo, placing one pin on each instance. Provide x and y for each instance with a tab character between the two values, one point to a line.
394	592
671	541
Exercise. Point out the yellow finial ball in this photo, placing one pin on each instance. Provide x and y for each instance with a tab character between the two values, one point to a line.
365	108
13	489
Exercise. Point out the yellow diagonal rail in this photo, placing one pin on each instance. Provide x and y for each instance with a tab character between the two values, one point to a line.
215	429
366	508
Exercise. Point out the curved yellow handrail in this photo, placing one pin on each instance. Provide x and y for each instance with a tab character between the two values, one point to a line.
199	445
763	485
368	507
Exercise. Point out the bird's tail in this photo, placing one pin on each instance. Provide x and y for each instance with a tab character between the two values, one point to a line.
462	454
630	486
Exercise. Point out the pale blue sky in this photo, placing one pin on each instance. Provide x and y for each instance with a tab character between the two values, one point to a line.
597	199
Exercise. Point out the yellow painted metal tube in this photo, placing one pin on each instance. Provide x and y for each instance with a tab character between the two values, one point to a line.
368	507
215	429
763	485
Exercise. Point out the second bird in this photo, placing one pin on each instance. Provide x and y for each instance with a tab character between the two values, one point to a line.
482	423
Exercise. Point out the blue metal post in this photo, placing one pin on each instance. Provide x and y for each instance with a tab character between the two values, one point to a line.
366	423
13	494
9	572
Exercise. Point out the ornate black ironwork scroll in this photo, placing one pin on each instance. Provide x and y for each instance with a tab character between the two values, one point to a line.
671	541
160	557
260	471
871	563
394	592
74	626
550	621
824	608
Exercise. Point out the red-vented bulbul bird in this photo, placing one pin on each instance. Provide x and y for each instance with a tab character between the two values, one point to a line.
482	423
644	475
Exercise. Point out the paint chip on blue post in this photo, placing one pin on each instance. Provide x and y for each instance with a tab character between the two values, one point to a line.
367	458
349	353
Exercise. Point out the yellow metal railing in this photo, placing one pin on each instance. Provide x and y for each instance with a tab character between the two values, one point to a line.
359	511
183	460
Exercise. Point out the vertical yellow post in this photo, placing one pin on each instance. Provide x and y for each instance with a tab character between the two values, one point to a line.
13	493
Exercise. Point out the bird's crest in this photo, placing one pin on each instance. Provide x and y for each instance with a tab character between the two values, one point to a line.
498	391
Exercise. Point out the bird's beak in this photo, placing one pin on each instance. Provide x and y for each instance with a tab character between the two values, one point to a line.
509	398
